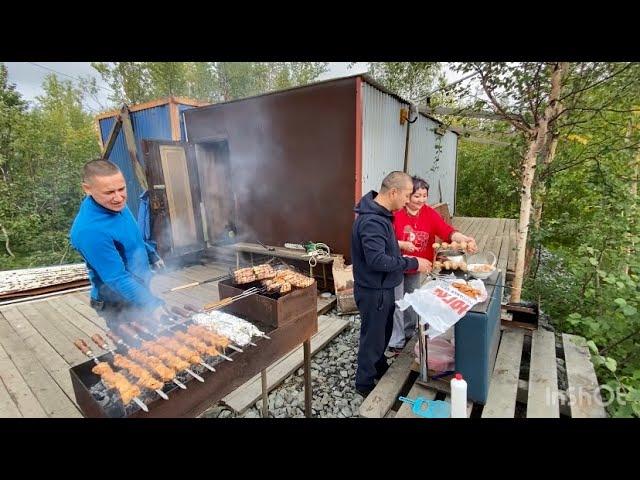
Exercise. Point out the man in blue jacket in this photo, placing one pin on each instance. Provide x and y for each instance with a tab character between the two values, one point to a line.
118	259
378	267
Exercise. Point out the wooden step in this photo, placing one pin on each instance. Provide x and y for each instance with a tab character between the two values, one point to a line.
386	392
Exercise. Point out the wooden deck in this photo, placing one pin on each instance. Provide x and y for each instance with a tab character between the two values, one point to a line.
514	391
494	234
36	342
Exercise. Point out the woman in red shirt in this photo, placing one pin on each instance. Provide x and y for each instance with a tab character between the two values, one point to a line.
416	227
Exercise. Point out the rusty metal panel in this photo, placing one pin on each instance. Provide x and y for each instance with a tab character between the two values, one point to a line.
292	161
383	139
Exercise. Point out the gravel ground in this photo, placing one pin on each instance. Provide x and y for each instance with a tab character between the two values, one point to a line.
333	374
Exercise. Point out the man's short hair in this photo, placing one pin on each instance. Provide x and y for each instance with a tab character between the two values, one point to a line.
98	168
395	180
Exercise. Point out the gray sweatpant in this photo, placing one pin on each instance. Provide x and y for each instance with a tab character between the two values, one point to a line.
404	323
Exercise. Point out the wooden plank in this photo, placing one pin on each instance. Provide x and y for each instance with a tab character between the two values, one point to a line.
82	309
45	323
511	263
325	304
8	409
46	373
583	388
461	223
542	399
86	326
386	392
247	394
405	410
18	390
501	401
523	393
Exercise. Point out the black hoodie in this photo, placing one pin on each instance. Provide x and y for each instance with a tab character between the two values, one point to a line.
376	257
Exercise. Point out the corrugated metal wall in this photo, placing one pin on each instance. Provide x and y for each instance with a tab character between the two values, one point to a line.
448	170
433	157
120	157
148	124
383	138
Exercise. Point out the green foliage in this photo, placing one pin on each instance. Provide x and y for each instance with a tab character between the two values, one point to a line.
478	188
586	267
411	80
135	82
41	192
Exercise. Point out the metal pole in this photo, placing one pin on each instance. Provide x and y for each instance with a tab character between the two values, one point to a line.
265	394
424	374
306	346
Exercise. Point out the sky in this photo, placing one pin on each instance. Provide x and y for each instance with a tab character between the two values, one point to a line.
28	77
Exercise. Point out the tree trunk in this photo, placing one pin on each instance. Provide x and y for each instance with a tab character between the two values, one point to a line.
549	155
6	240
528	174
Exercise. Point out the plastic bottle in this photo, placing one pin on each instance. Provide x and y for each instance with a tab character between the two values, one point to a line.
458	397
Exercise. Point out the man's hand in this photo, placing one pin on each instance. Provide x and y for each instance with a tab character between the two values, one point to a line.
424	265
471	242
159	264
407	246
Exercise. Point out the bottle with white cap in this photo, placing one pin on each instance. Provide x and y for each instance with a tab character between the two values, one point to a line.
458	397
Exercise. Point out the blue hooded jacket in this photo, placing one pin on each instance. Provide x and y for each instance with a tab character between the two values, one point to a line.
116	255
375	254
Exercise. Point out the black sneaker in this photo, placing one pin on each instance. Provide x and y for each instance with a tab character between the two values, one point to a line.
392	352
364	391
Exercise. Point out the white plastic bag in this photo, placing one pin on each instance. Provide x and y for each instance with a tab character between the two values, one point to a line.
440	305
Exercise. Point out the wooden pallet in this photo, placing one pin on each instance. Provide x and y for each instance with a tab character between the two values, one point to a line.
538	395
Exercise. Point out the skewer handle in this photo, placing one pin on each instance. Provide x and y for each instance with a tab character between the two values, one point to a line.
83	347
188	285
180	312
191	308
98	340
116	339
129	331
141	328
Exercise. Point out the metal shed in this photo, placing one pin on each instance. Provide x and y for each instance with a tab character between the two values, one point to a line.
294	162
158	119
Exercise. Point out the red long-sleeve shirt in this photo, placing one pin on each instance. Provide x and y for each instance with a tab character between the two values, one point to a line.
421	230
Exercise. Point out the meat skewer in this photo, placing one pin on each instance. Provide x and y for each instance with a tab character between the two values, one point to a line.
182	352
199	345
165	374
126	390
132	332
145	379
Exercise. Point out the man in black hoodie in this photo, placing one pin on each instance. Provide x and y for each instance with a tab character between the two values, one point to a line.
378	267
